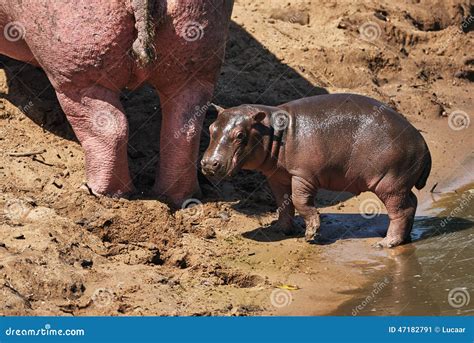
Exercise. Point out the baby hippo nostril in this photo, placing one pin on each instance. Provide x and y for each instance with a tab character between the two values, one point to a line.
210	166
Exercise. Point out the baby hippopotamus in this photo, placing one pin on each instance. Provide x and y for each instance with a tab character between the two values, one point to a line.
338	142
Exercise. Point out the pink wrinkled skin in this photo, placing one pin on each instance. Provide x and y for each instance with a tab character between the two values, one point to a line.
84	48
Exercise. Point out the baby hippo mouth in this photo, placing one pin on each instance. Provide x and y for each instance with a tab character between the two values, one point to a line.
221	169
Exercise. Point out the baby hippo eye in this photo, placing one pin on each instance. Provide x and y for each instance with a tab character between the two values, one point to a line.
212	130
240	135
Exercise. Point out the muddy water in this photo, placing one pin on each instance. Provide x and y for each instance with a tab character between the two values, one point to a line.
432	276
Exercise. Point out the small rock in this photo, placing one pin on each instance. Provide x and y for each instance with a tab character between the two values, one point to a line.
57	183
209	233
343	24
224	216
381	14
291	16
179	258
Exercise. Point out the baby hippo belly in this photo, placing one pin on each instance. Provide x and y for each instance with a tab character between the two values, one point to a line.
341	180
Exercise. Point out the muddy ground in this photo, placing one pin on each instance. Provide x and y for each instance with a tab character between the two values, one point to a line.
65	252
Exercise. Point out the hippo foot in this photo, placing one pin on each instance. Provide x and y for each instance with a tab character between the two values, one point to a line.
177	199
312	228
119	193
288	228
388	242
311	234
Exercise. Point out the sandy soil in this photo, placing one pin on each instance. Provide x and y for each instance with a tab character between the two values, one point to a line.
65	252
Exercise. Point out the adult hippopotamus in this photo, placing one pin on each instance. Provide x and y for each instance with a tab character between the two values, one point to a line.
92	49
339	142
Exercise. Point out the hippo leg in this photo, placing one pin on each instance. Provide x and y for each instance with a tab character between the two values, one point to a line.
183	111
17	50
98	119
304	199
401	210
286	209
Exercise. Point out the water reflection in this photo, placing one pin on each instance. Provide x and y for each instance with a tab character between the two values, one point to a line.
420	278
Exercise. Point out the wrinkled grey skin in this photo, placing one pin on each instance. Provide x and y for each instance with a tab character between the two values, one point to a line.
339	142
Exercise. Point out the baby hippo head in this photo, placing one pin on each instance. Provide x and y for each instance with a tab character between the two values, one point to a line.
236	141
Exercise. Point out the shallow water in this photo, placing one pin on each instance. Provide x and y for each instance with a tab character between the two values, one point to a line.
434	275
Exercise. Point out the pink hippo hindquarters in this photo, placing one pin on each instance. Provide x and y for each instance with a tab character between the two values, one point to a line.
85	48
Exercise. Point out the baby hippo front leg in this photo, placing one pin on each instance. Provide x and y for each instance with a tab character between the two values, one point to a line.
281	189
304	198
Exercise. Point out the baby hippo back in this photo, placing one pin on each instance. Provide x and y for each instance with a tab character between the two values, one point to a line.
350	142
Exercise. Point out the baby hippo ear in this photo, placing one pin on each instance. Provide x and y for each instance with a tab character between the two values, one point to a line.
218	108
259	116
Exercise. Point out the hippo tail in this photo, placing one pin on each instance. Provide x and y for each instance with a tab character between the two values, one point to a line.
146	13
425	172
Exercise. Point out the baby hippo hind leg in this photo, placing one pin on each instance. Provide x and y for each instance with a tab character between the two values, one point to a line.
303	200
401	208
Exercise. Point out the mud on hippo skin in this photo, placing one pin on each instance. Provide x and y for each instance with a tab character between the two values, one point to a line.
179	52
339	142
